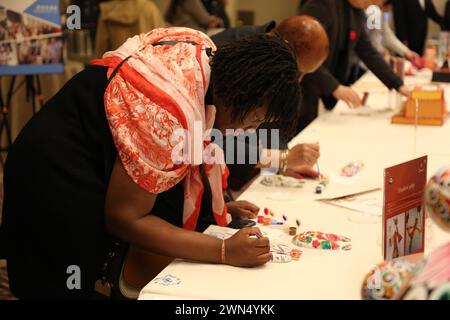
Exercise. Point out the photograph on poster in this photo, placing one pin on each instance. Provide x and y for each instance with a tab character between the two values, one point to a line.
396	237
414	230
30	41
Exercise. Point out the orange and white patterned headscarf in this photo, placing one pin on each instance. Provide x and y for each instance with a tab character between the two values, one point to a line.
158	90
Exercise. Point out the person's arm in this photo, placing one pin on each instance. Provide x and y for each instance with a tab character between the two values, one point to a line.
322	83
197	10
432	13
446	26
391	42
127	217
300	160
375	62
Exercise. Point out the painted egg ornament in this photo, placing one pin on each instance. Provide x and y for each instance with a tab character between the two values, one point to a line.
432	281
387	279
437	198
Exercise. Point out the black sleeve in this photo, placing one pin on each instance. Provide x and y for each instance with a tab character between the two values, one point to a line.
375	62
325	81
432	13
446	26
400	11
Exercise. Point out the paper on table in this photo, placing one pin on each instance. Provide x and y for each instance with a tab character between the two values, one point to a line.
366	111
340	187
369	203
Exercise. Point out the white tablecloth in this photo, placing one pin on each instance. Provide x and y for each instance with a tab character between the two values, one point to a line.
321	274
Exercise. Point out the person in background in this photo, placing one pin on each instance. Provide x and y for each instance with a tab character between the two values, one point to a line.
122	19
218	8
310	42
191	14
386	38
99	163
411	22
442	20
345	22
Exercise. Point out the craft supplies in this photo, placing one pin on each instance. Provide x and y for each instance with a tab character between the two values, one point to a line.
282	182
352	169
276	222
281	258
322	185
365	97
296	254
292	231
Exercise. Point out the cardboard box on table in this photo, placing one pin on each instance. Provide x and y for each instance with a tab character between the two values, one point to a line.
431	111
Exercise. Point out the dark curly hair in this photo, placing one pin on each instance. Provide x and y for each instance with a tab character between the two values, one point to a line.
257	71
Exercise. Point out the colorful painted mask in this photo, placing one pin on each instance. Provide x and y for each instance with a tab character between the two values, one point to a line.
323	241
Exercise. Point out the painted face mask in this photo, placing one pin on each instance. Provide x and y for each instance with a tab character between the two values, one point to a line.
323	241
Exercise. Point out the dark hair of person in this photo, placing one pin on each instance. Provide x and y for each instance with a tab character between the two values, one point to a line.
258	71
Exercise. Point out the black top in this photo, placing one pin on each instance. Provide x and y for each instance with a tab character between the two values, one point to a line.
233	34
56	178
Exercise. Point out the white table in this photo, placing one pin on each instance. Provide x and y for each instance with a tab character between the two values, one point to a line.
321	274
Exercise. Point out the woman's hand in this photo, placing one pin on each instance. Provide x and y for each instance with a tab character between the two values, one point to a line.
247	248
404	91
301	160
302	173
243	209
349	96
411	55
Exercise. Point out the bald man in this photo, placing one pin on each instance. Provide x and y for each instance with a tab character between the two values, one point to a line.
310	42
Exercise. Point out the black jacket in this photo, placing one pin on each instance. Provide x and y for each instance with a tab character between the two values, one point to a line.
411	22
346	29
442	20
